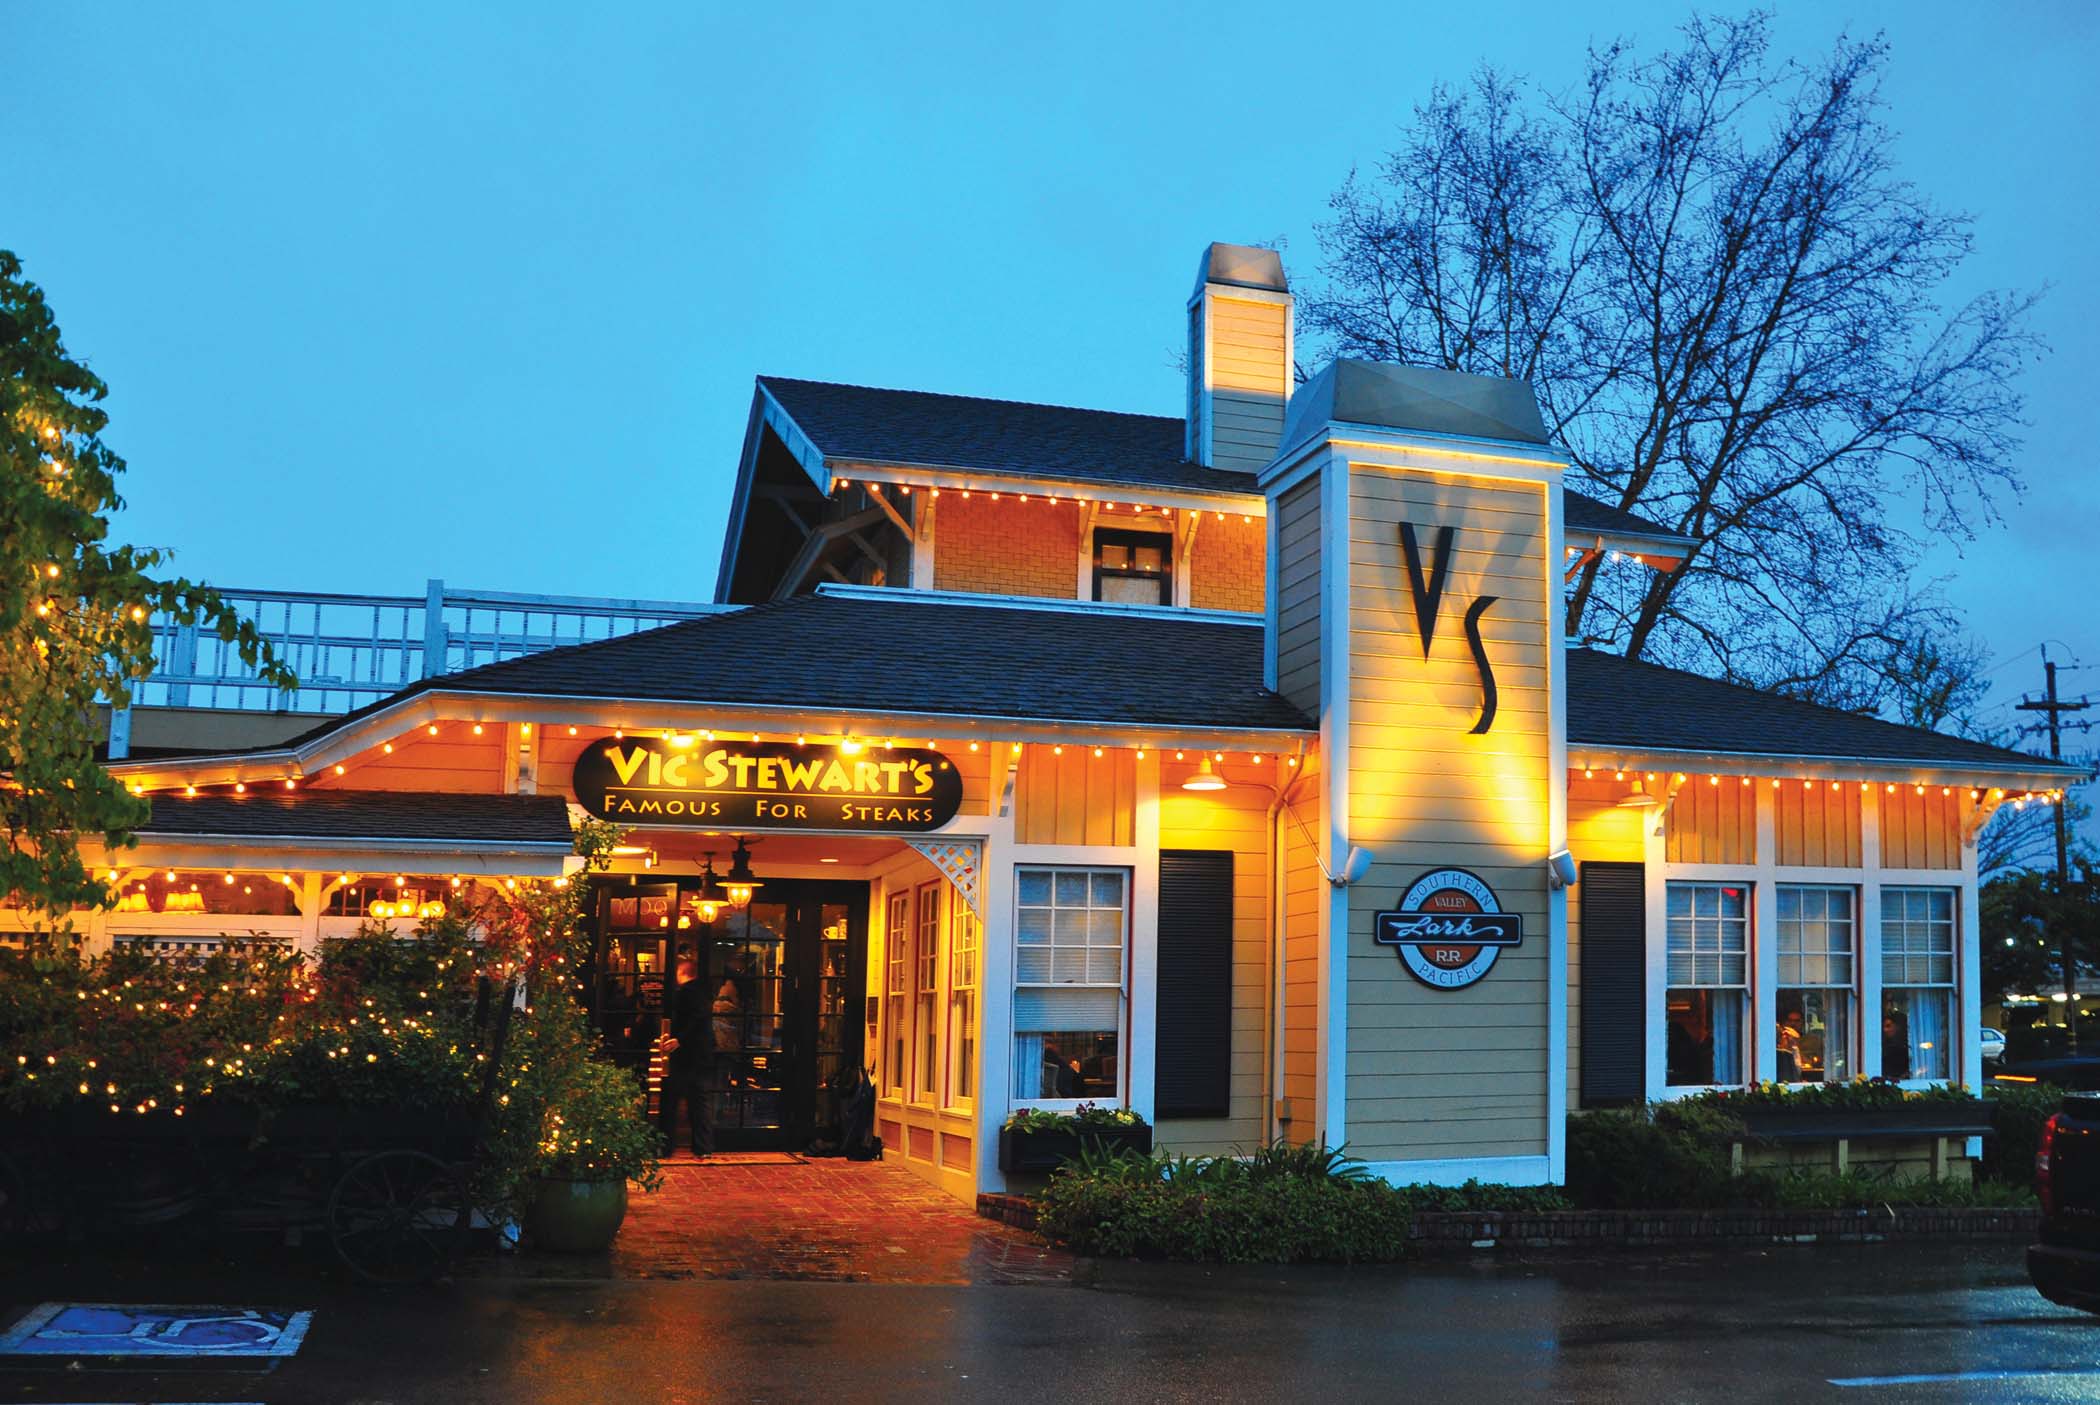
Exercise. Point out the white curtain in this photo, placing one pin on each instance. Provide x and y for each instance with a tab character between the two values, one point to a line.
1928	1033
1728	1036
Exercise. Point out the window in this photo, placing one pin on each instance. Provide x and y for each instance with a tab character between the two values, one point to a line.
927	986
1817	941
208	892
963	933
897	933
1133	568
1068	982
1917	982
1708	962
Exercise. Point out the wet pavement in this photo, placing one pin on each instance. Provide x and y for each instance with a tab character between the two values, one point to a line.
1870	1323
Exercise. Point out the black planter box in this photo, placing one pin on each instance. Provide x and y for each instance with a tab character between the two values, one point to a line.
1046	1151
1923	1119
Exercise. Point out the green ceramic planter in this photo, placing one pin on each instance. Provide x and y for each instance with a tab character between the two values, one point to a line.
576	1217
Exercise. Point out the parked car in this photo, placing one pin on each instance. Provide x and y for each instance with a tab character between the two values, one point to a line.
2065	1261
1992	1043
2075	1071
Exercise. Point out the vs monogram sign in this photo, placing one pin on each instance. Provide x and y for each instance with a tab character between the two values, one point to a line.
1429	596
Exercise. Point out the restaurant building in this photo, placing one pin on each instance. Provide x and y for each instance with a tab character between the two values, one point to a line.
1230	766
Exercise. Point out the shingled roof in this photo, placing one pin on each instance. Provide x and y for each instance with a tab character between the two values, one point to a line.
948	658
864	424
363	814
1620	702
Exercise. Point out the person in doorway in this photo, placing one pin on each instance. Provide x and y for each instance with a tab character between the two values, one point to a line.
689	1058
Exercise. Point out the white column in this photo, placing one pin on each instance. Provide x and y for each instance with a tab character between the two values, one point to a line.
1143	984
1657	884
1764	938
995	984
1869	983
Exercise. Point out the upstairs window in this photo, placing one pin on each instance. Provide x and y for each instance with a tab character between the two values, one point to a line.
1133	568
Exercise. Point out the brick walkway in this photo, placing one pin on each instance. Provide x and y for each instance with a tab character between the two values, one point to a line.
771	1216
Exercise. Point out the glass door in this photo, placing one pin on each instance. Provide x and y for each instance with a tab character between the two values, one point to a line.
754	1047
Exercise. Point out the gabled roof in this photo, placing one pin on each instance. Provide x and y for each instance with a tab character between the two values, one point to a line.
992	659
363	815
858	423
1619	702
863	424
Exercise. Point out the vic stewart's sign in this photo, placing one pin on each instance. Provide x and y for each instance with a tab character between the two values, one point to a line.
1449	929
766	785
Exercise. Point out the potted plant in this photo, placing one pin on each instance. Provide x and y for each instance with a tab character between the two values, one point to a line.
1035	1139
595	1140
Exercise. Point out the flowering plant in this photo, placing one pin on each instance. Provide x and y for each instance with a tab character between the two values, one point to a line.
1857	1095
1087	1117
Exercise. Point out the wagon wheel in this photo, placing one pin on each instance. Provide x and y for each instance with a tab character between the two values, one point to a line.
399	1217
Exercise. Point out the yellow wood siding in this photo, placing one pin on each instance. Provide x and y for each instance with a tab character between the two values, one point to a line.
1076	797
1006	547
1818	824
454	761
1298	595
1920	827
1712	821
1234	819
1226	564
1250	380
1436	1073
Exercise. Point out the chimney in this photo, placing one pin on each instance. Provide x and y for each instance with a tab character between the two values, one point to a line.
1239	357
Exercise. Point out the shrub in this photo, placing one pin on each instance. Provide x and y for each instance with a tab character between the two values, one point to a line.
1283	1219
1283	1203
1669	1156
2018	1114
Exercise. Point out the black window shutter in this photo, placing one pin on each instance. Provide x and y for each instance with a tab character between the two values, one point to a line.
1192	1056
1614	983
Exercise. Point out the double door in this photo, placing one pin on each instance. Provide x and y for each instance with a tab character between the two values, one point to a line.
784	977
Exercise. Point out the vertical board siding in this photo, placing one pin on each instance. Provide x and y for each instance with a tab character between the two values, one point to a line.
1599	830
1298	595
1075	798
1442	1073
1194	989
1712	823
1818	826
1920	830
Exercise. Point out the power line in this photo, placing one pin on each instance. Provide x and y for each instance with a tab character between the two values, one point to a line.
2053	709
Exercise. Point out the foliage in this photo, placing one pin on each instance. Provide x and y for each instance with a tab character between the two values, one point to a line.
2027	918
1859	1095
2017	1114
1085	1117
1283	1203
74	612
1665	1157
1736	314
1861	1190
384	1018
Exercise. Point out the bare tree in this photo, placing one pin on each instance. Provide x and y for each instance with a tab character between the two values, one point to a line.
1730	306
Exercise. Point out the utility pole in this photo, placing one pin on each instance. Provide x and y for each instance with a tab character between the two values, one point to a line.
2052	709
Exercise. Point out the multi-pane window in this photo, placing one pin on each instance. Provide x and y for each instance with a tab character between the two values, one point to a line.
1133	568
1070	929
1818	942
926	986
1708	967
1917	982
963	933
897	936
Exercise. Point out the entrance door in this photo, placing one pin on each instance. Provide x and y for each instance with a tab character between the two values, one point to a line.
787	973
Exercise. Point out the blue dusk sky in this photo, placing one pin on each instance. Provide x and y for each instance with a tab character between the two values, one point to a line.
388	292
